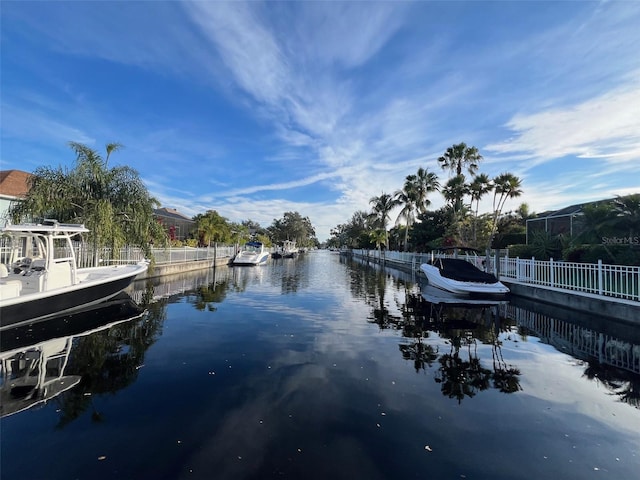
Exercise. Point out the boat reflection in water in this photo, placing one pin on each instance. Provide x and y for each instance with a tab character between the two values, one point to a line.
460	341
464	324
35	359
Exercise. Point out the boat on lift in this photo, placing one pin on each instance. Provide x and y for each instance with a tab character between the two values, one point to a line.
40	277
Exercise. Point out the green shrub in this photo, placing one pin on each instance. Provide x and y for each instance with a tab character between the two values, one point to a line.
508	239
521	251
575	253
612	254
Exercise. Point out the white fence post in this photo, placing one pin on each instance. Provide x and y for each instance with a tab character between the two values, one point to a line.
600	289
552	275
532	272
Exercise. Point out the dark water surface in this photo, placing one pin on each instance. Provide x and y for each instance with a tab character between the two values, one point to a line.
319	368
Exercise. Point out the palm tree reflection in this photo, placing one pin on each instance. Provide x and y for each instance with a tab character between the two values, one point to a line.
459	371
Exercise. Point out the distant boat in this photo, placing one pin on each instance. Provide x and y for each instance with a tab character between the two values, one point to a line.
253	253
460	276
43	278
289	249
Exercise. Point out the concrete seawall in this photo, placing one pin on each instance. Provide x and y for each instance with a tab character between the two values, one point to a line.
620	309
168	269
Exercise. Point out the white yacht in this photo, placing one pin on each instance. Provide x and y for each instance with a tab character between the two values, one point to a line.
40	278
461	276
253	253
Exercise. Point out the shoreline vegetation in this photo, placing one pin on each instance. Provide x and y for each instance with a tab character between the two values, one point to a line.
115	205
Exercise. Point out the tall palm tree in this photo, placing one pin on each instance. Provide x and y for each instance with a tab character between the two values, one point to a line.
423	182
478	188
407	199
506	186
460	157
382	206
454	191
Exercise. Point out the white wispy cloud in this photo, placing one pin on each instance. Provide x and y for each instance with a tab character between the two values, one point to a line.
345	96
606	126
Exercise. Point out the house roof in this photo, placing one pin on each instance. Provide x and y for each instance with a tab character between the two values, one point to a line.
14	183
171	213
567	211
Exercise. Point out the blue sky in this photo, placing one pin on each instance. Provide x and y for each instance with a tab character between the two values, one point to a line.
255	109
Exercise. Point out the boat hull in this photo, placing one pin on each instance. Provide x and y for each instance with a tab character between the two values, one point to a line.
457	287
40	306
251	260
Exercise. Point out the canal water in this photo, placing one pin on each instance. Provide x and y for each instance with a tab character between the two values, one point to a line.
318	367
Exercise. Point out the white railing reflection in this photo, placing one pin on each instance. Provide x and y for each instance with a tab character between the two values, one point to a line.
618	281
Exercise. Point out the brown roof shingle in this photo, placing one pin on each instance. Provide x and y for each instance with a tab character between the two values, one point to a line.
14	183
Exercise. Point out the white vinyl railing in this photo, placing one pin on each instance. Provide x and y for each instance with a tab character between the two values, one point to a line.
161	256
597	278
616	281
86	256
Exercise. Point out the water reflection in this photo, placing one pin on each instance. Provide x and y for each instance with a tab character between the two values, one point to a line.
609	350
67	358
291	275
229	373
98	350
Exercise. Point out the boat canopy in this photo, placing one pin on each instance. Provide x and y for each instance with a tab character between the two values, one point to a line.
45	229
254	244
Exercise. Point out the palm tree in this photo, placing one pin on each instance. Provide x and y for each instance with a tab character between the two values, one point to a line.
459	157
524	213
112	147
454	191
478	188
212	227
506	186
593	222
382	206
113	203
379	237
627	211
407	199
423	182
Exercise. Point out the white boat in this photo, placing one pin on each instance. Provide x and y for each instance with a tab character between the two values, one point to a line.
289	249
40	278
461	276
253	253
438	296
34	357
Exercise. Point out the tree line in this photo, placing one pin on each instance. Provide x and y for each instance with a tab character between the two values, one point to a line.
118	210
458	222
